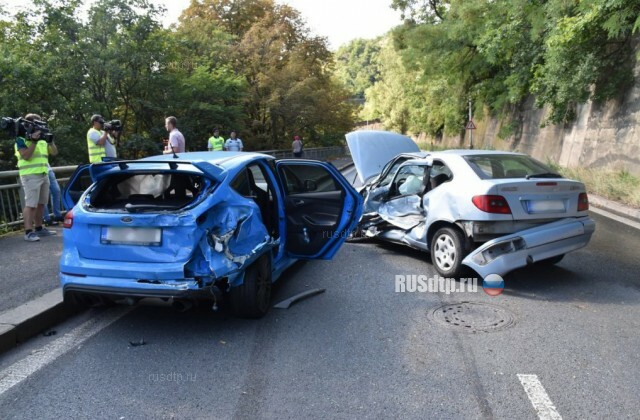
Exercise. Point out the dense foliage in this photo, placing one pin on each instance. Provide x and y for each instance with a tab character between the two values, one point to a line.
358	65
497	53
249	65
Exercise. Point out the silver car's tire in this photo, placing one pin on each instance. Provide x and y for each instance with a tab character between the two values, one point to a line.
447	252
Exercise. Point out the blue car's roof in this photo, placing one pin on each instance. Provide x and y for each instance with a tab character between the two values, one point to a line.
226	160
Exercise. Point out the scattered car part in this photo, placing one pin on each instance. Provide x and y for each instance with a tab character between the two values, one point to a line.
286	304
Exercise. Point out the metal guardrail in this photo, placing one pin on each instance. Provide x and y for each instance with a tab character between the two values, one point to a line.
12	196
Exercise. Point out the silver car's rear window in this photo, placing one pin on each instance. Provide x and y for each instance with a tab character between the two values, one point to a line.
507	166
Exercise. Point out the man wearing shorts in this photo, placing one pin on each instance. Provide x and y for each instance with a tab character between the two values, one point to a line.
33	167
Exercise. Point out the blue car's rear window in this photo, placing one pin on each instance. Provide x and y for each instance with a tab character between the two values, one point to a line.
147	191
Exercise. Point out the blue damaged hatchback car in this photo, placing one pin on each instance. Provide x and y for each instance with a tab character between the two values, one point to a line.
204	225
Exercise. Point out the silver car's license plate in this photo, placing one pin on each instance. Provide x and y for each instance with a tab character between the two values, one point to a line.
131	236
546	206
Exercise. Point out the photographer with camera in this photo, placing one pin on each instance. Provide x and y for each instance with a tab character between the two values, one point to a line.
33	145
101	138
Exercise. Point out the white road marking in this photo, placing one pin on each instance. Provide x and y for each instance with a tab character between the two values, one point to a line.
22	369
539	397
615	217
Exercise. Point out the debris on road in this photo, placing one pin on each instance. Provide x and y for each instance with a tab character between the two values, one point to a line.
285	304
138	343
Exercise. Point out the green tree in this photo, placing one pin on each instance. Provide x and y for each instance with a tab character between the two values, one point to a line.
287	71
246	64
588	53
357	65
500	52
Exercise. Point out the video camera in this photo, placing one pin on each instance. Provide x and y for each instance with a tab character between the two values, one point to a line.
113	125
21	127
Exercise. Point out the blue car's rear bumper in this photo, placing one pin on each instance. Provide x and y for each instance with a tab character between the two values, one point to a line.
119	287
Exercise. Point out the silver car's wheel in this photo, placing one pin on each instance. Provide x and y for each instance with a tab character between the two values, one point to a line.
445	252
448	251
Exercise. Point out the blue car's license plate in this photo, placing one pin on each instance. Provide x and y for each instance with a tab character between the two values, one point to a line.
131	236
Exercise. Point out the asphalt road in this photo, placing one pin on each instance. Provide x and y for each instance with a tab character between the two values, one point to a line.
28	270
360	350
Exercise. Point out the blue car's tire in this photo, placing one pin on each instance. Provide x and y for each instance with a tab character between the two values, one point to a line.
252	299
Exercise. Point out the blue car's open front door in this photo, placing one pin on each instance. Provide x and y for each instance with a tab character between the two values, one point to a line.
321	208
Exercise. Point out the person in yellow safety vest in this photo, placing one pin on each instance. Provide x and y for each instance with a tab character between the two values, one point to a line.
97	140
33	166
216	142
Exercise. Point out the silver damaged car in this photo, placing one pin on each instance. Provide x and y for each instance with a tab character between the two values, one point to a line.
491	211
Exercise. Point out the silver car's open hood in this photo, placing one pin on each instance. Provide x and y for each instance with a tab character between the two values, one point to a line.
371	150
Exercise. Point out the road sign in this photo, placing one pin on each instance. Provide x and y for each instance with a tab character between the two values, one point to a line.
470	125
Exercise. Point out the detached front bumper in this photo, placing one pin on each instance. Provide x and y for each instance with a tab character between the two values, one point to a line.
507	253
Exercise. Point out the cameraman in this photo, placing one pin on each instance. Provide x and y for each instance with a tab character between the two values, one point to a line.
99	143
33	167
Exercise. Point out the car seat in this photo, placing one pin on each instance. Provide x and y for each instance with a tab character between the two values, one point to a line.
261	198
439	179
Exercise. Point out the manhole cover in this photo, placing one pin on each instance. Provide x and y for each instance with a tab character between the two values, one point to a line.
473	317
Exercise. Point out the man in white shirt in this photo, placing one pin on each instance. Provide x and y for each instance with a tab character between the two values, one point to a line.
233	144
297	147
110	145
176	142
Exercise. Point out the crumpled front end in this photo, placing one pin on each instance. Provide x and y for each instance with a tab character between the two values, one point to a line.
507	253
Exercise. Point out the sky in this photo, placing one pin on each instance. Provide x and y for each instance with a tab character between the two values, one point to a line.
338	20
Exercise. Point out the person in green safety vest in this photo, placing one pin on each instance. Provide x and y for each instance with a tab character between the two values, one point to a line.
97	140
33	167
216	142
